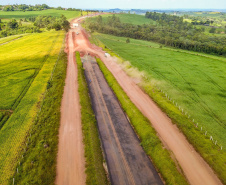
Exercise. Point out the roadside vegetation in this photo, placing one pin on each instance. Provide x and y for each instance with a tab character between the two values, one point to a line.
94	158
38	165
182	76
169	31
26	66
152	145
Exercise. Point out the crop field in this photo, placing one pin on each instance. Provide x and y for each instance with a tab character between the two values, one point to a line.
26	66
52	12
10	38
196	83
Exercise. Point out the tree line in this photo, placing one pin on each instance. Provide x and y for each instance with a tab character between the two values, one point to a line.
24	7
169	30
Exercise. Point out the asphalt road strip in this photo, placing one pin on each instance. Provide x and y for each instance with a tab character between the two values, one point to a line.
126	160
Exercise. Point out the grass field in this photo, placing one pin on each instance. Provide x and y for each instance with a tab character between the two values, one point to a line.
192	82
52	12
128	18
184	77
26	65
10	38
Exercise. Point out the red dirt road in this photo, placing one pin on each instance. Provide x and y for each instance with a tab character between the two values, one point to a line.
70	160
194	167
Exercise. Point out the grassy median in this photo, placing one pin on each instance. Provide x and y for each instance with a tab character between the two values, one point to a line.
94	159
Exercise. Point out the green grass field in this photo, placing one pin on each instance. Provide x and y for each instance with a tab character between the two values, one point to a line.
26	66
128	18
52	12
10	38
193	82
196	83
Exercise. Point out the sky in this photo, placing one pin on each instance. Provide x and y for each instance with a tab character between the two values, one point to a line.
126	4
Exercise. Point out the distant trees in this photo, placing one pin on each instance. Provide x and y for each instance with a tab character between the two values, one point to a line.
73	9
127	40
13	24
212	30
51	22
59	8
24	7
8	8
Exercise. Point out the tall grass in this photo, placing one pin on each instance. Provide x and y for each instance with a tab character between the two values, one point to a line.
93	153
168	169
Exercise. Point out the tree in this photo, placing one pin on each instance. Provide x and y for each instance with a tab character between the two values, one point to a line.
20	23
212	30
99	19
66	26
127	40
13	24
57	26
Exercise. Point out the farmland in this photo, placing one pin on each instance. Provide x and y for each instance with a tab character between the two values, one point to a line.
183	76
128	18
51	12
26	66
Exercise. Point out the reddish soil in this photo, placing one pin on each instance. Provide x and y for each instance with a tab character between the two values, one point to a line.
70	160
194	167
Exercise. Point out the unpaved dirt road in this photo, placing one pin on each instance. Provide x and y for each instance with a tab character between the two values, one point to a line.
70	160
126	160
194	167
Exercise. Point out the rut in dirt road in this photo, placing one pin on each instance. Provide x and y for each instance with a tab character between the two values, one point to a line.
126	160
